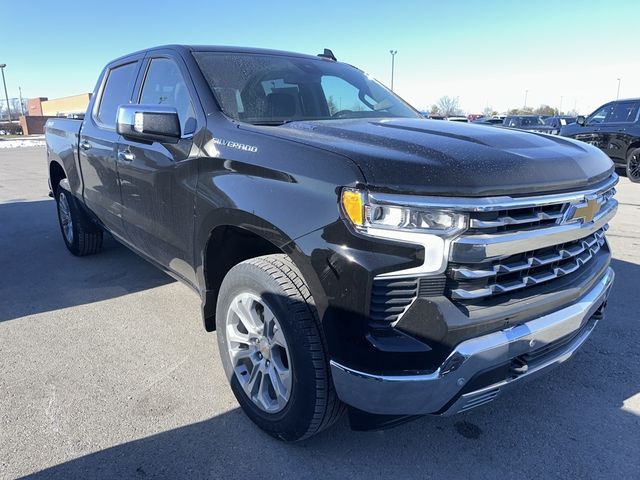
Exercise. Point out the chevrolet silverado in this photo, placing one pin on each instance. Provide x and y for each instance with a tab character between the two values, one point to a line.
350	254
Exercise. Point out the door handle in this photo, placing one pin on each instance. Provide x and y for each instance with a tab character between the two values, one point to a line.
84	145
126	155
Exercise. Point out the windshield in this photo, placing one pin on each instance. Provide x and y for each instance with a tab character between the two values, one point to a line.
531	121
270	89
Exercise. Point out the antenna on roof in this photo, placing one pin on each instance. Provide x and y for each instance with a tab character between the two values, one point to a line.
328	54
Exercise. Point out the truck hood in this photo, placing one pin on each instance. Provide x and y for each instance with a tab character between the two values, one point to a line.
420	156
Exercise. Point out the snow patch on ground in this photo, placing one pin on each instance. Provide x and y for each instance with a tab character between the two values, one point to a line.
21	143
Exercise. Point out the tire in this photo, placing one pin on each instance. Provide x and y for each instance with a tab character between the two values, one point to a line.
80	234
273	285
633	165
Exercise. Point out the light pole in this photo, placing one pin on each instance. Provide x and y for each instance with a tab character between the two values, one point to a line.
21	105
393	58
526	92
618	92
2	65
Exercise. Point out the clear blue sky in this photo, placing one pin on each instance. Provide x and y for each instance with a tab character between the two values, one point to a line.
484	52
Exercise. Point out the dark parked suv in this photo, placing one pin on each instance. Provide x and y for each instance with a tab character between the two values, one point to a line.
532	123
615	129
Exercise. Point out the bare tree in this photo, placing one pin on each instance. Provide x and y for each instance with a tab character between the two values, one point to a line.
546	110
434	110
521	111
331	103
489	112
16	108
449	106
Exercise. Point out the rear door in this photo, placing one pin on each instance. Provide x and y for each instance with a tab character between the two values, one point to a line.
98	142
159	180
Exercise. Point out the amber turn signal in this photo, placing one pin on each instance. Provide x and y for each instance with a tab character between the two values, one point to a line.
353	206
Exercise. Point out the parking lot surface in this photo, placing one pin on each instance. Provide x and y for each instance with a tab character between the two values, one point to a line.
107	372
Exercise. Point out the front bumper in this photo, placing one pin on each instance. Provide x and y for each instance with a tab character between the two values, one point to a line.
481	368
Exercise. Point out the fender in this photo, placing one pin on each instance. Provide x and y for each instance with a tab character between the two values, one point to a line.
277	191
275	240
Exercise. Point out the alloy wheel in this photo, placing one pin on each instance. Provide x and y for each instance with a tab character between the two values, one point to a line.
258	352
633	169
65	217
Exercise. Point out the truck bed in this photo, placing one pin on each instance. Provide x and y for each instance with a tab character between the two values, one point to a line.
61	135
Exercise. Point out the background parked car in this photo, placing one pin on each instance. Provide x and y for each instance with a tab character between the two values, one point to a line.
615	129
558	122
490	121
533	123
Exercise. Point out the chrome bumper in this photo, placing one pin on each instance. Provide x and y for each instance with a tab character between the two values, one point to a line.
439	392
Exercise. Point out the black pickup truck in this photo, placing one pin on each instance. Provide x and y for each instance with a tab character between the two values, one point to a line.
350	253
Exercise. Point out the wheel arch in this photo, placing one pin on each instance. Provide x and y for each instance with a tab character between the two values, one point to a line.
56	175
635	144
235	236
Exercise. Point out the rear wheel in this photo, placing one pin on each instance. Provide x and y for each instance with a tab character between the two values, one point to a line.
633	165
80	234
272	349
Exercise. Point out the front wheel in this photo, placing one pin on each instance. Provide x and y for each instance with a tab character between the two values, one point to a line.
272	349
633	165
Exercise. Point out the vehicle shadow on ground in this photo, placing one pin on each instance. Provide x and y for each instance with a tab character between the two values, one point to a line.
40	274
569	424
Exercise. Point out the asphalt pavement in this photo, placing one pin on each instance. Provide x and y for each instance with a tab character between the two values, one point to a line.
107	372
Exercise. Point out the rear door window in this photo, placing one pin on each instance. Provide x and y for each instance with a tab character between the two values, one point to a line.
623	112
117	91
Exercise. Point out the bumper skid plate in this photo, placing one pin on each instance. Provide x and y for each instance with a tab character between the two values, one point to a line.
548	340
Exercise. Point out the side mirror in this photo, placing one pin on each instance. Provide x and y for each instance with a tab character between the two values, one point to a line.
581	120
148	123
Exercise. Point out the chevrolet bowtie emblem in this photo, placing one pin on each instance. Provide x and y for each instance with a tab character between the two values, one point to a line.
586	211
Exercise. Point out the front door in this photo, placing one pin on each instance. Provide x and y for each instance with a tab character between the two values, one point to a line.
593	132
158	181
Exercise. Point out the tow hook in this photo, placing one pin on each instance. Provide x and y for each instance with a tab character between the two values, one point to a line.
519	366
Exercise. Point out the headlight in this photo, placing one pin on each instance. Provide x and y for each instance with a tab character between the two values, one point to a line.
368	216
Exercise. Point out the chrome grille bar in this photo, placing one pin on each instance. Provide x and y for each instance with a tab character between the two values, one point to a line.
467	273
479	248
587	249
513	220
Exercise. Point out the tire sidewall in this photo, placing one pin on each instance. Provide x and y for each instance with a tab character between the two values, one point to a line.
72	246
292	422
635	152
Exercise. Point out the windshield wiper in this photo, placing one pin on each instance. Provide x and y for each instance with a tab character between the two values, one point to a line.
289	120
275	123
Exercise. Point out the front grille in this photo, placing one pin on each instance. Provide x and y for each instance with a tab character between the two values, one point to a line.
523	243
524	218
511	244
470	282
